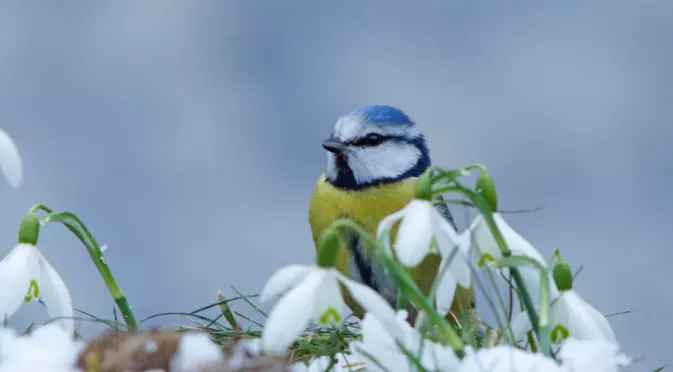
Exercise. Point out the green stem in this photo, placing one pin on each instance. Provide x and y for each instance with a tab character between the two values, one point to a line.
77	227
478	166
408	286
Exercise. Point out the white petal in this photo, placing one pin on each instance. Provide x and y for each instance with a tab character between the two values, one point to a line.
290	316
379	345
55	295
446	291
580	318
436	357
328	299
443	226
602	323
283	280
388	221
415	233
592	355
517	243
483	239
16	272
10	160
386	224
373	303
505	358
459	266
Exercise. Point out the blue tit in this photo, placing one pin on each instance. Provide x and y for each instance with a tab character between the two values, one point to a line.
374	157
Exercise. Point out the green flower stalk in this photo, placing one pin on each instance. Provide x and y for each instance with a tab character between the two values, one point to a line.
328	248
424	186
77	227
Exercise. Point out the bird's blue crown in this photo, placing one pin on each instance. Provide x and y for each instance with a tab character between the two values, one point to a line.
383	115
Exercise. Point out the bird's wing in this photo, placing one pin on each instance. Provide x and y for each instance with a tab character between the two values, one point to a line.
443	208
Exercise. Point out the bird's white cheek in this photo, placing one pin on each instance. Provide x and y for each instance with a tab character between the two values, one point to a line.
389	160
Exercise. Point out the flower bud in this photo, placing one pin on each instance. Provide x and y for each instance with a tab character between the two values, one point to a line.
486	188
424	186
563	275
29	230
328	247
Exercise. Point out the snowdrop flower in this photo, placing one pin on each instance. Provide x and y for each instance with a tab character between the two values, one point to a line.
26	275
569	310
582	321
10	160
592	355
381	346
506	358
313	294
421	223
518	245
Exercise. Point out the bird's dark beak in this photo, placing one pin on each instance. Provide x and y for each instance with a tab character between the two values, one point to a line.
333	145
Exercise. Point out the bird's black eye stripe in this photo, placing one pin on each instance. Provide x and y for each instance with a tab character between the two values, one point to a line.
371	139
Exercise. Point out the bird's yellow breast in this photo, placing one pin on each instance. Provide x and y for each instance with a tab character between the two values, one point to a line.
366	206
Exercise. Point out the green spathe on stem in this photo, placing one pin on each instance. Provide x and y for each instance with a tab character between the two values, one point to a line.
77	227
424	186
563	274
486	188
328	248
29	230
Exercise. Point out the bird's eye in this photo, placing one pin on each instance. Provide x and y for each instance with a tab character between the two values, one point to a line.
372	139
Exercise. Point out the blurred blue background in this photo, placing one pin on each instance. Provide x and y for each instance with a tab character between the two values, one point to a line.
187	135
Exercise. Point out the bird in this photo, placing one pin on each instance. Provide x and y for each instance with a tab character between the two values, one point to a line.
375	155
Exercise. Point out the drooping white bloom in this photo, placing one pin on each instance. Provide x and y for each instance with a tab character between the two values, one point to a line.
575	356
381	346
582	320
421	223
26	275
592	355
484	243
10	160
506	358
46	348
313	294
